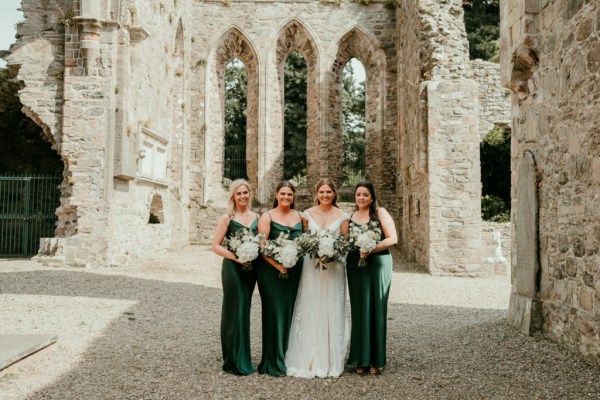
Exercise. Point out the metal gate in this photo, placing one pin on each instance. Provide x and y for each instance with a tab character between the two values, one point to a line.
235	162
27	206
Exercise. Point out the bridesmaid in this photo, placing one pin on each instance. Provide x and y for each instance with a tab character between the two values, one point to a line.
238	284
278	295
369	286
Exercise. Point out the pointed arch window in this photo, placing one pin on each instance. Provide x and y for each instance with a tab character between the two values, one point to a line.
295	118
236	95
353	130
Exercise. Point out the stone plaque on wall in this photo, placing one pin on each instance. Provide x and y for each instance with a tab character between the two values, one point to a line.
153	157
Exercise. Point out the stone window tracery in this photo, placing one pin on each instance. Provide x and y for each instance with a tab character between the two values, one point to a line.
235	100
356	44
234	45
295	37
353	131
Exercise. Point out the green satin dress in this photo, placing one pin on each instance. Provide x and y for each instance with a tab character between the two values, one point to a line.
278	297
238	286
369	289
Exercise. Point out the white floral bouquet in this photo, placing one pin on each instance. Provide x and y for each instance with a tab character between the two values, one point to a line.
364	238
323	245
244	243
283	250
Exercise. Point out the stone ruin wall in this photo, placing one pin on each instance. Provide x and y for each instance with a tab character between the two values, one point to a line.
494	109
151	90
551	60
494	99
97	119
495	248
123	77
262	35
428	162
412	182
39	68
440	152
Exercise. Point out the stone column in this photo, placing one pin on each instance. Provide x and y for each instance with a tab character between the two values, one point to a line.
270	150
454	177
525	311
125	149
90	30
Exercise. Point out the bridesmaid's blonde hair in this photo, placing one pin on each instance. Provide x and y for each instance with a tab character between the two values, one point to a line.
233	187
328	182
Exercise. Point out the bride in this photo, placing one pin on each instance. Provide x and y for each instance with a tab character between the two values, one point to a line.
319	332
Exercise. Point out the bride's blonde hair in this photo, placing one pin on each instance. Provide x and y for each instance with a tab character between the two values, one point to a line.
233	187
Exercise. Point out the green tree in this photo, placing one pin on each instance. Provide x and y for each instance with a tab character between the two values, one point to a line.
295	123
295	118
482	23
495	174
295	111
24	147
236	89
353	133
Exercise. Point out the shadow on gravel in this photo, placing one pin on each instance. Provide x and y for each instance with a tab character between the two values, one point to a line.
168	347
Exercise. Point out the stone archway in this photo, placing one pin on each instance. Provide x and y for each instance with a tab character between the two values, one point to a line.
356	44
232	44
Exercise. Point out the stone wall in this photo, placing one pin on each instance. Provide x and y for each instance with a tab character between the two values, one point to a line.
140	115
495	248
39	68
494	99
494	109
440	152
551	60
111	84
412	180
327	35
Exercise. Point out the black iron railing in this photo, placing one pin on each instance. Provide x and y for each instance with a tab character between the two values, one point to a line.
27	212
353	166
235	162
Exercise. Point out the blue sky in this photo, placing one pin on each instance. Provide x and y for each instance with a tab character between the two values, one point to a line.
9	16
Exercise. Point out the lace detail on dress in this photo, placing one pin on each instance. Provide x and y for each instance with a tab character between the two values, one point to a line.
319	332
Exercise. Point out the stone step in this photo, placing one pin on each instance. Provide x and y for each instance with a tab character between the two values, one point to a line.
14	348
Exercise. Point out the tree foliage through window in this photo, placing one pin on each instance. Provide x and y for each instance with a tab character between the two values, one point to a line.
295	122
295	119
236	89
495	174
353	103
482	22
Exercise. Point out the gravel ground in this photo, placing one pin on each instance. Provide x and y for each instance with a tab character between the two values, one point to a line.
156	336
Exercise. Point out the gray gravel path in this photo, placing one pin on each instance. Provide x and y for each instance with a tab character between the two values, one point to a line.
166	346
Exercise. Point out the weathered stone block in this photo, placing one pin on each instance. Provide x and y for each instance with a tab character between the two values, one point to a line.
526	228
525	313
586	298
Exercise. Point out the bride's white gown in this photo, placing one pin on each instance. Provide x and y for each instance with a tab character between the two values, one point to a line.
319	332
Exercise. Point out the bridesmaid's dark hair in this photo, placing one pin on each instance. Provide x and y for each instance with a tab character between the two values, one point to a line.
328	182
374	206
283	184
